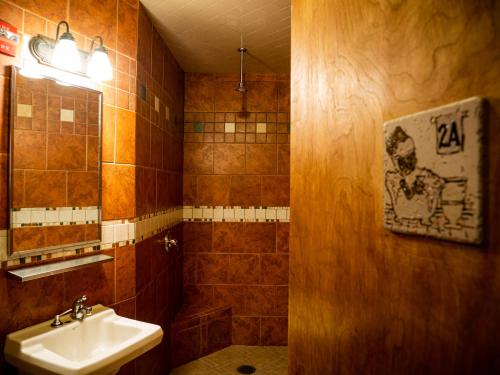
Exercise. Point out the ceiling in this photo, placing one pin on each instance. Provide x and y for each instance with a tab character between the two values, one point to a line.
204	35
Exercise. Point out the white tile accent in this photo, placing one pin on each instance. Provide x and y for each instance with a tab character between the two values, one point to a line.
281	214
260	214
239	213
24	110
229	214
208	213
157	104
66	214
139	230
250	214
270	214
131	231
67	115
52	216
261	127
92	215
78	215
218	213
3	244
229	127
107	234
120	232
22	217
187	212
38	216
197	213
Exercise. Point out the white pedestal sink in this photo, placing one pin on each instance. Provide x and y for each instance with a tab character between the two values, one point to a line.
100	344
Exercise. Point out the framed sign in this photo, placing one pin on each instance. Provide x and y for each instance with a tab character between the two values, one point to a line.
433	172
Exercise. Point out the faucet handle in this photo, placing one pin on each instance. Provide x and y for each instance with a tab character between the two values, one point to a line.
79	301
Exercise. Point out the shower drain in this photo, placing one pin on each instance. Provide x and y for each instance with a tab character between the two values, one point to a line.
246	369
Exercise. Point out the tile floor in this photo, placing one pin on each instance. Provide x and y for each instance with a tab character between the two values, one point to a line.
268	360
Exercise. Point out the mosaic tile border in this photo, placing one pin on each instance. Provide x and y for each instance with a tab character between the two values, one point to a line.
236	214
128	232
138	229
53	216
113	233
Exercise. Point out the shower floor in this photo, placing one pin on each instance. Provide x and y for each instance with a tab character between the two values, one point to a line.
267	360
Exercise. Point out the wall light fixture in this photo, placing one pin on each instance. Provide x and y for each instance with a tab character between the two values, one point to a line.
62	53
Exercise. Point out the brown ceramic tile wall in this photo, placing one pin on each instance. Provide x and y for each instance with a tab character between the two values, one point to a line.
158	142
158	185
141	172
249	165
244	265
117	22
199	332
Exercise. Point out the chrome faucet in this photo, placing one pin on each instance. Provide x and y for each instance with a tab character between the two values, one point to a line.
78	312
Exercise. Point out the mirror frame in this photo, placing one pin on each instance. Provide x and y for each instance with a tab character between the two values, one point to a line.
55	248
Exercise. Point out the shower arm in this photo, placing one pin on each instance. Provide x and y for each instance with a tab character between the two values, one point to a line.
242	51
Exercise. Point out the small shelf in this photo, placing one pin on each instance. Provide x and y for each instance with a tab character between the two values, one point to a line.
37	272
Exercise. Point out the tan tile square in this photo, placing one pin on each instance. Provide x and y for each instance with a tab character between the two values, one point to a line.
24	110
261	127
229	127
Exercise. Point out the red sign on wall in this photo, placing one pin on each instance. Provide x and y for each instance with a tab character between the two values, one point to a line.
8	38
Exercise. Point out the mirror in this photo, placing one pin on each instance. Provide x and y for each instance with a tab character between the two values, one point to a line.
54	166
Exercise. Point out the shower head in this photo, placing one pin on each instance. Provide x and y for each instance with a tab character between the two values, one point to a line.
241	87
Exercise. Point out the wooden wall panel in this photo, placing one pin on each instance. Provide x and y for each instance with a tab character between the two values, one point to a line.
364	300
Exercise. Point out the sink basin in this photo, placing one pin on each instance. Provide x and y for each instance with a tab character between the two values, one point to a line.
100	344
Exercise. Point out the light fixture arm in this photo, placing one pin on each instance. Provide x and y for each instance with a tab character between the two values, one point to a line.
67	30
100	46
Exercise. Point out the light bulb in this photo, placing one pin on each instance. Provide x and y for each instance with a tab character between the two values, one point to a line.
66	54
99	67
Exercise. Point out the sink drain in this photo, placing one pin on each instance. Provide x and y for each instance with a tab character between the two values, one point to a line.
246	369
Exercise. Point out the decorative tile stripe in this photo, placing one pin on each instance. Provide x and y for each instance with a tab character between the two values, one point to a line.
236	214
127	232
51	216
113	233
54	255
141	228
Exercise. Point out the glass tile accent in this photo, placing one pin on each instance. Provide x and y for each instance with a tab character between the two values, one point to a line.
143	92
198	126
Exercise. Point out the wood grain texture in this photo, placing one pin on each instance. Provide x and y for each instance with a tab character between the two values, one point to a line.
364	300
